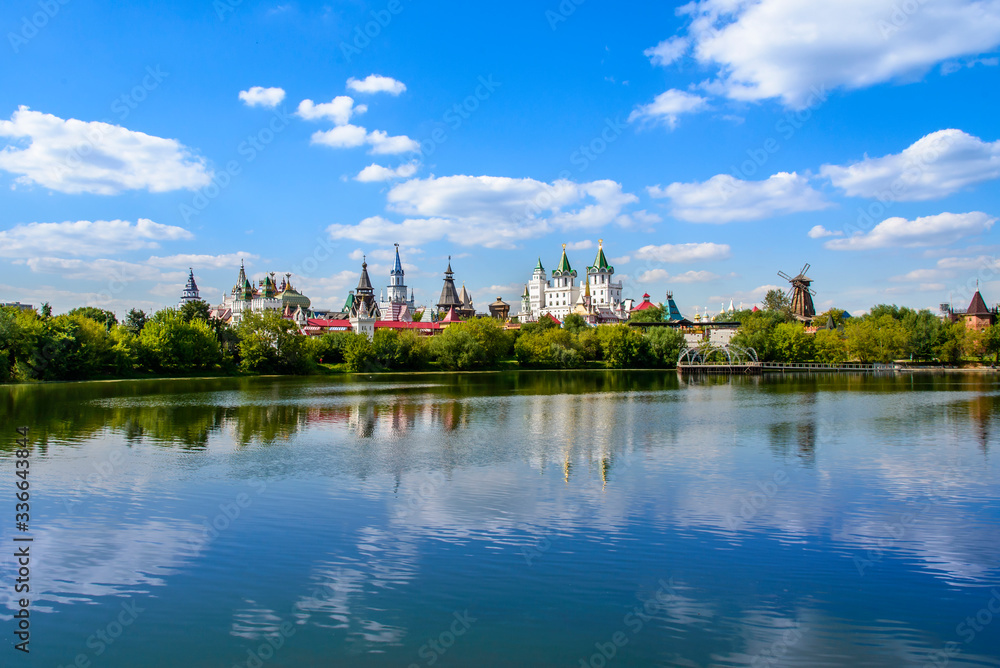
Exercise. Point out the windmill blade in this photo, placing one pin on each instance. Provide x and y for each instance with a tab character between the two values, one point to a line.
784	276
788	295
805	268
812	292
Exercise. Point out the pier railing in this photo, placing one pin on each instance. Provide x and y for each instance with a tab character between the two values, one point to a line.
783	367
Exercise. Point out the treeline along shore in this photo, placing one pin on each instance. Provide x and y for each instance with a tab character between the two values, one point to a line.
90	343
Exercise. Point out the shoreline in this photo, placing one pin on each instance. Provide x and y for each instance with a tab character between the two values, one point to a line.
424	372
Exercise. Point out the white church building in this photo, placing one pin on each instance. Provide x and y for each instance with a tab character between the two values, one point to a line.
563	293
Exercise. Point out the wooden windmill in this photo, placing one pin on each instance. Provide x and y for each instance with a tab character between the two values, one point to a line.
801	294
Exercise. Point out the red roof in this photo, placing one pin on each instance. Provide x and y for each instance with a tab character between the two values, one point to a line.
755	309
978	306
552	317
379	324
645	304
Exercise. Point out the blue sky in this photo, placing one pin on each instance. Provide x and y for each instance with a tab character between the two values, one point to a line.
709	145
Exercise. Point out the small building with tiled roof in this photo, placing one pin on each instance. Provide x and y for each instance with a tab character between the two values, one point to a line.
645	304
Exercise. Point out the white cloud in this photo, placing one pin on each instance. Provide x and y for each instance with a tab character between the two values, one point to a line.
796	51
74	156
258	96
84	237
373	83
183	261
580	245
488	210
352	136
668	50
939	230
934	166
923	275
342	136
385	255
383	144
668	106
375	172
662	275
102	269
820	232
691	252
748	296
724	198
339	110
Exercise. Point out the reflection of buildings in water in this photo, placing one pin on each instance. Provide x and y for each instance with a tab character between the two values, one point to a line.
798	436
587	428
981	412
450	415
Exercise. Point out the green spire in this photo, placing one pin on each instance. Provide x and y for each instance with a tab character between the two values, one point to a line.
600	262
563	263
539	267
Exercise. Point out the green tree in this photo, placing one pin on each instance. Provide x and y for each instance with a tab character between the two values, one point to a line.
9	337
552	347
46	310
418	316
991	341
359	353
497	343
575	323
106	318
875	339
757	331
950	345
923	329
624	347
269	344
791	343
777	300
195	310
652	314
829	347
665	345
458	348
167	344
135	320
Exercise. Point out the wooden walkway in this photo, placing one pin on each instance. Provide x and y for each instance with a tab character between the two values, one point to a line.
780	367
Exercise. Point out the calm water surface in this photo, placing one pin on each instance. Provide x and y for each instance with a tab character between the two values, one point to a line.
536	519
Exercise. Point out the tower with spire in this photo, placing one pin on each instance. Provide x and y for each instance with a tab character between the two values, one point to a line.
396	305
364	309
190	293
449	295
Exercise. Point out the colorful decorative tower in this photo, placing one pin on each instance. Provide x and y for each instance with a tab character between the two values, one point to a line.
606	293
364	309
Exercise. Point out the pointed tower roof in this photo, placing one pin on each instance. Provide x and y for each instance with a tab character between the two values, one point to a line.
191	285
601	262
465	297
672	312
449	295
978	305
539	267
397	268
525	293
364	283
451	317
564	262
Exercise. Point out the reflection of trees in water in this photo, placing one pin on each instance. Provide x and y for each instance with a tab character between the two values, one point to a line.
979	412
594	428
